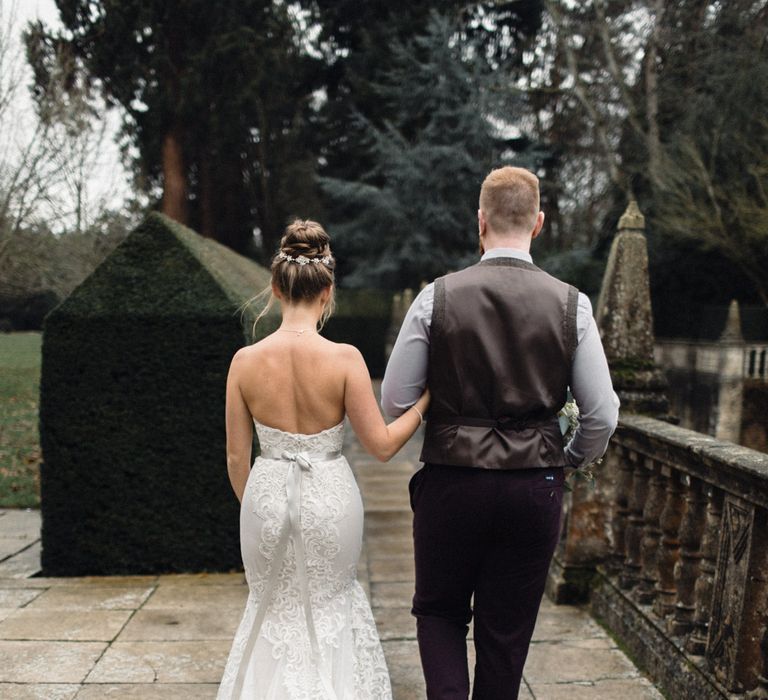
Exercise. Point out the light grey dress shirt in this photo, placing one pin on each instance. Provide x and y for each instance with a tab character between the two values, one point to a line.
406	373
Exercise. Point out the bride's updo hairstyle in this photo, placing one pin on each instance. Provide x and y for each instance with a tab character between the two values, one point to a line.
302	268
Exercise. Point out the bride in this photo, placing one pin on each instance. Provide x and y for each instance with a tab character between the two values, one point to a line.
307	632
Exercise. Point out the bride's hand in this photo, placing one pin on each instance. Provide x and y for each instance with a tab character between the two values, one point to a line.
423	403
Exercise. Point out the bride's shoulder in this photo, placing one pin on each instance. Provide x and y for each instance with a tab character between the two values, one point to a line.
252	351
345	351
350	359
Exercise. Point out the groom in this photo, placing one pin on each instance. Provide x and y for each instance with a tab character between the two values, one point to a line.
498	344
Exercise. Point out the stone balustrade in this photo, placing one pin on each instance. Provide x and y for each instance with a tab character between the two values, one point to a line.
756	362
684	579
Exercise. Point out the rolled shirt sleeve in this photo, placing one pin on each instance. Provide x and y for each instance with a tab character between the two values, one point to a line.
592	391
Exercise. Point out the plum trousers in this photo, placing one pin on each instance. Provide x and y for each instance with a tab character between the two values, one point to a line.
488	535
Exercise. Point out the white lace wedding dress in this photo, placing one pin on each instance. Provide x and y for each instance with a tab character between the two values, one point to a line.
307	632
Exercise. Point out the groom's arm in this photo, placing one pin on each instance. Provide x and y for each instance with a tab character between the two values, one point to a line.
406	375
593	392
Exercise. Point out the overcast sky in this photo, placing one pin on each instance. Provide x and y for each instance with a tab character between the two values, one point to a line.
108	179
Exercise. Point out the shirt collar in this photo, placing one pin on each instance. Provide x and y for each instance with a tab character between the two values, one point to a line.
507	253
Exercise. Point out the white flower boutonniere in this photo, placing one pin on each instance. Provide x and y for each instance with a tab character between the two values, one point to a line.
569	421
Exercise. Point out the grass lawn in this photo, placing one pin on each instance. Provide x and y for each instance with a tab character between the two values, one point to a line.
19	440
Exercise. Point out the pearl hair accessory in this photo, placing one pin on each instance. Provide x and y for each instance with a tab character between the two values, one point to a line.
303	259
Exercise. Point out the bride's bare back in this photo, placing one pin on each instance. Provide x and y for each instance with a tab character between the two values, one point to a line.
305	384
295	382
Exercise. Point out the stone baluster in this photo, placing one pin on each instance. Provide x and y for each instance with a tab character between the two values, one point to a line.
621	509
669	549
687	567
697	642
761	691
654	505
630	574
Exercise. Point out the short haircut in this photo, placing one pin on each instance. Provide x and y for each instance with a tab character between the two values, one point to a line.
509	199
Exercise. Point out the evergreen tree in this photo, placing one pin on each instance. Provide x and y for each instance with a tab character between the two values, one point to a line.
412	215
361	38
216	101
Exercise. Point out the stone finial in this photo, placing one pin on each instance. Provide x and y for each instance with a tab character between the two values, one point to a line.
732	331
625	320
632	219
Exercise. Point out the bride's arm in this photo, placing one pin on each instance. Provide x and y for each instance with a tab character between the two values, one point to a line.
239	431
378	438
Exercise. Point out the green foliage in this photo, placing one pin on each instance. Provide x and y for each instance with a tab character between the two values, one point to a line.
712	186
363	37
579	267
362	318
664	102
134	364
229	86
40	268
411	216
19	440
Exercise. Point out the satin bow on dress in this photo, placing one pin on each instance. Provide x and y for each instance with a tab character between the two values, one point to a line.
301	462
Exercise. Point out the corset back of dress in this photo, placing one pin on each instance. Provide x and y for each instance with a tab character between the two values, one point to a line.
275	440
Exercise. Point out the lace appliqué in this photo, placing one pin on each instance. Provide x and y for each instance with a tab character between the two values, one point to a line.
342	616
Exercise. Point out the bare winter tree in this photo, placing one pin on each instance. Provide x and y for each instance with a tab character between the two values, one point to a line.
665	100
52	141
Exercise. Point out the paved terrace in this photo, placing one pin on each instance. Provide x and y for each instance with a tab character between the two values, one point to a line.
162	637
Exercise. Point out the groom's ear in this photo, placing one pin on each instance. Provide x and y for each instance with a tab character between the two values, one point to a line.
482	224
539	224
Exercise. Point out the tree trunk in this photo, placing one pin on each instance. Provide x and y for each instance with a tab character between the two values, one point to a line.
652	96
174	177
207	217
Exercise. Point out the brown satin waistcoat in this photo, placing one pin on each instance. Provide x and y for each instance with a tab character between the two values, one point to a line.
502	339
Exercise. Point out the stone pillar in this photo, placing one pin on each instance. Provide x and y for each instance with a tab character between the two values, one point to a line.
626	327
625	320
730	394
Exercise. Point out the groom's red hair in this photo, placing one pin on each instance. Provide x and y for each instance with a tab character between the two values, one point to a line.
509	199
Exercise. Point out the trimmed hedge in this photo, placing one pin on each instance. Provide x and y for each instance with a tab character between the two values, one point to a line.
25	312
362	318
134	365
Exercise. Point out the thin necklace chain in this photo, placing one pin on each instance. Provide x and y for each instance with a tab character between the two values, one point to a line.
291	330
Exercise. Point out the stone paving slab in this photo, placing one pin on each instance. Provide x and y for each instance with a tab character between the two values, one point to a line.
149	691
395	623
38	691
391	595
577	661
167	624
20	523
557	623
17	597
390	569
92	597
404	669
202	579
47	662
206	596
24	563
636	689
11	545
64	625
161	662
